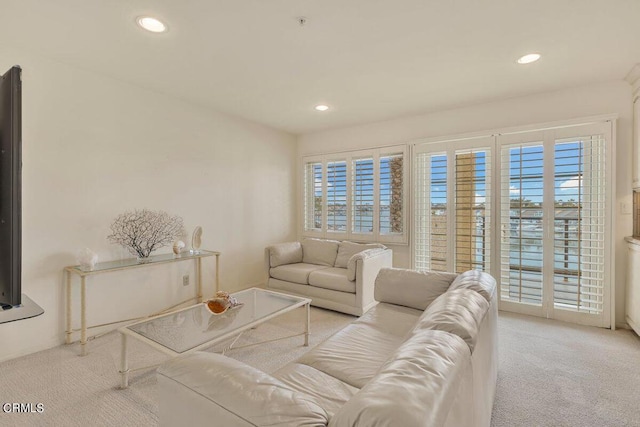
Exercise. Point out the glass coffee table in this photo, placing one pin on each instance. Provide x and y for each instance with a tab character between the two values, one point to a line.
194	328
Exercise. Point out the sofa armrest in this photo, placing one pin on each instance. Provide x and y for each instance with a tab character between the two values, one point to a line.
211	389
366	271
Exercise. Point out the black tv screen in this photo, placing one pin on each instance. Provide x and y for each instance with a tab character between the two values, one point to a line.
10	187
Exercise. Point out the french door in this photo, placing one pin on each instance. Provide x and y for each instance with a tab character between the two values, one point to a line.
554	214
532	208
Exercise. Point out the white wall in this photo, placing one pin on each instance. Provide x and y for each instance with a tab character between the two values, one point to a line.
612	97
94	147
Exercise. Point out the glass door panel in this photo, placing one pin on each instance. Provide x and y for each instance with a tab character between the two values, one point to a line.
522	223
554	259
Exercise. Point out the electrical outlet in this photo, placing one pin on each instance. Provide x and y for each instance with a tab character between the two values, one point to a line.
185	280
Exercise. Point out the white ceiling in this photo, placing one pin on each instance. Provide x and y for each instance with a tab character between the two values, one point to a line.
369	60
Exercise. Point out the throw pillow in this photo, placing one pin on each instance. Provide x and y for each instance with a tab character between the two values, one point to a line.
285	253
320	252
348	249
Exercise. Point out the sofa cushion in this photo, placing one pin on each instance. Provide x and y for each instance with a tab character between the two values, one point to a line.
241	389
357	342
481	282
391	319
329	392
320	297
411	288
348	249
416	387
360	256
296	273
458	312
332	278
285	253
321	252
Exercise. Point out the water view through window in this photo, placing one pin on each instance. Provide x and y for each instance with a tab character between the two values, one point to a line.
356	196
577	246
551	204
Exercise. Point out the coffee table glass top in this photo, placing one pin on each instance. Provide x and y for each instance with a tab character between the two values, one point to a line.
186	329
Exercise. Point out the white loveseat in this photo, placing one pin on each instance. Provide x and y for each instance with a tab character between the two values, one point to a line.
335	275
425	356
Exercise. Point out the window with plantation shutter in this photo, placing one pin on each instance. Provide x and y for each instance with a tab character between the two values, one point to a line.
532	207
356	195
555	211
313	200
522	222
453	205
472	213
579	223
362	195
337	196
431	212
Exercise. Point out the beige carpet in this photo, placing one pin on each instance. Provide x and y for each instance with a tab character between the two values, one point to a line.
559	374
83	391
551	374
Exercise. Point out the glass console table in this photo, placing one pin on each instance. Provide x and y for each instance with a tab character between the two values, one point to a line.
126	264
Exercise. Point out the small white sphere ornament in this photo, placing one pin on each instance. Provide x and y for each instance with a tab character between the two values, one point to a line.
178	246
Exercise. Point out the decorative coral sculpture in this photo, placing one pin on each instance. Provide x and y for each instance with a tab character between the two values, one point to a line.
143	231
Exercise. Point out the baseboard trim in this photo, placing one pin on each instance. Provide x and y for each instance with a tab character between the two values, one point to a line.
622	325
41	346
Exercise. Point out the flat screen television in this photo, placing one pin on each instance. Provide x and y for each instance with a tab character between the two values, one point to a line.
10	188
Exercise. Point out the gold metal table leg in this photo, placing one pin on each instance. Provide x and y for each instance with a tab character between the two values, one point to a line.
307	329
83	317
217	272
124	363
199	280
68	332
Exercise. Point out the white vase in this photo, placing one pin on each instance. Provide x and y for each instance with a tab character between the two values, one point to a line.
196	240
87	259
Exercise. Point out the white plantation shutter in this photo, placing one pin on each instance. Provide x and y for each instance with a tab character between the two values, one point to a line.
337	196
472	210
555	223
431	212
521	225
453	205
579	223
356	195
362	195
313	196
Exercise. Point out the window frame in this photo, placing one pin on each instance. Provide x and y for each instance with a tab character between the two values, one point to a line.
560	130
349	157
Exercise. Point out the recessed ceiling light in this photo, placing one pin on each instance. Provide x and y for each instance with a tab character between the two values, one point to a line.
151	24
529	58
322	107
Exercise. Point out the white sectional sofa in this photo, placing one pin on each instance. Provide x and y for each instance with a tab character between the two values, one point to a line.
425	356
335	275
